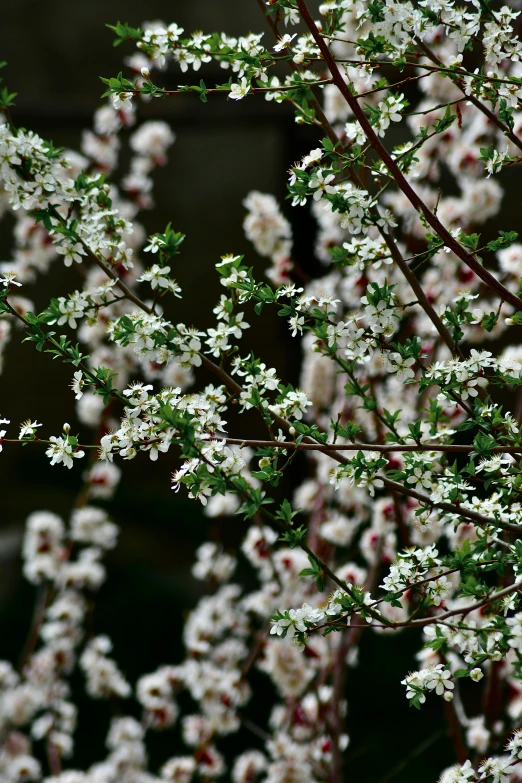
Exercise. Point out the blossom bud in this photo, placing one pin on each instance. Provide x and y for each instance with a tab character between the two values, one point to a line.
476	674
145	72
66	428
448	695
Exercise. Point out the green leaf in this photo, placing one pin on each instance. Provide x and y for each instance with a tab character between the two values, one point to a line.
505	239
124	33
316	572
7	98
285	512
294	537
446	121
469	240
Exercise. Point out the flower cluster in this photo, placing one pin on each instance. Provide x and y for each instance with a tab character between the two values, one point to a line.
401	435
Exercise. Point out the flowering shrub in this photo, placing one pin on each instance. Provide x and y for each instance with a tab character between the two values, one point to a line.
409	430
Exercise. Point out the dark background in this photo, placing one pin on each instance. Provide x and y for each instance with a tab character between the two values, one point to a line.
55	52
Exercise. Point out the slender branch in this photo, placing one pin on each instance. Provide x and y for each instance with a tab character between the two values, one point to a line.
385	448
418	751
433	69
421	296
110	272
41	603
53	758
450	508
213	90
465	610
433	619
492	117
44	441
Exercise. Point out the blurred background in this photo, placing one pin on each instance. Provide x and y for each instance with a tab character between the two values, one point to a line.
56	52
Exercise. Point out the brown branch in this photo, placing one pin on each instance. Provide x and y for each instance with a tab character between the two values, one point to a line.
418	751
110	272
492	117
53	758
450	508
421	296
433	619
41	603
467	609
384	448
